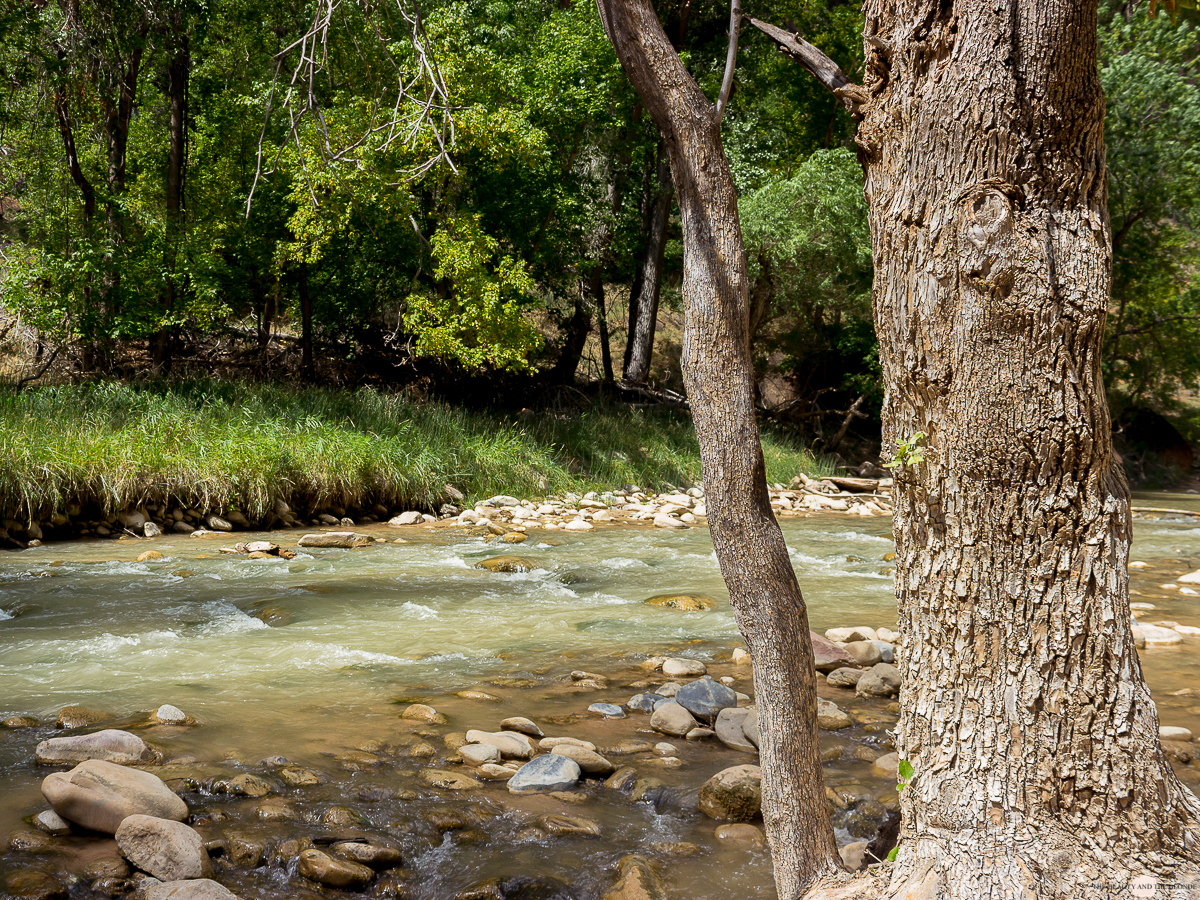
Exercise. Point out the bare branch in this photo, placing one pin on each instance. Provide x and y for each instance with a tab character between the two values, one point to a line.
735	25
820	66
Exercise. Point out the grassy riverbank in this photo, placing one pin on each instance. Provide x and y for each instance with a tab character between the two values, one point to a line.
220	446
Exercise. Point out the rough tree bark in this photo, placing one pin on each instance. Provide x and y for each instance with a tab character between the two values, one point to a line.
716	364
1024	712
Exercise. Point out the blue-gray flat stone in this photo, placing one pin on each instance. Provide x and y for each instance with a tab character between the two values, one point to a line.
705	697
608	710
545	773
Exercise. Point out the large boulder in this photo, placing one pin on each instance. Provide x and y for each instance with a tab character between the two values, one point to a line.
733	794
101	795
550	772
168	850
882	680
110	745
704	698
827	655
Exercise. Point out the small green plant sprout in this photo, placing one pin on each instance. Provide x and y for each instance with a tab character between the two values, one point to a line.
908	452
905	771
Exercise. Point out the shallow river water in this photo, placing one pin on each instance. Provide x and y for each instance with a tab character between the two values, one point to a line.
352	634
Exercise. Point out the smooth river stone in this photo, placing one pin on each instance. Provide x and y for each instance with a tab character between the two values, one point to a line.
844	677
830	716
671	718
511	744
336	873
523	725
705	698
1157	636
750	725
865	653
644	702
551	742
607	710
880	680
733	794
590	762
479	754
342	539
846	635
545	773
168	850
199	889
110	745
827	655
100	795
683	602
1174	733
677	667
729	730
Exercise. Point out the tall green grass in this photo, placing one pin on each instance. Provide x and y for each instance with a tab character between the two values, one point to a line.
219	446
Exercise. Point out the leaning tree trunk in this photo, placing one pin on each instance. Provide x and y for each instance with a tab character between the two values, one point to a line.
716	364
1024	712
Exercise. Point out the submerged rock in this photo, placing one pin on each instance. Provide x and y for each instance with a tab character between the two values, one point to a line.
342	539
336	873
507	564
682	602
80	717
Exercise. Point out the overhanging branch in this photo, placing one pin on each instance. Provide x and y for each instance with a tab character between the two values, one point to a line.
820	66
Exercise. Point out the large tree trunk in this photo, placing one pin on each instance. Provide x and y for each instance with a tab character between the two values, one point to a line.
647	282
1024	712
716	363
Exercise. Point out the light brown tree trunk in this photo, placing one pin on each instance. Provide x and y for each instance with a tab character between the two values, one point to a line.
716	364
1024	712
643	294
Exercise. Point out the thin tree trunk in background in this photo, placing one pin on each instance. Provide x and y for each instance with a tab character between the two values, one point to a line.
578	328
716	363
644	293
602	326
177	88
306	332
1039	772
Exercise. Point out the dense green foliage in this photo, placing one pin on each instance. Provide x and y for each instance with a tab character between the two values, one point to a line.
216	446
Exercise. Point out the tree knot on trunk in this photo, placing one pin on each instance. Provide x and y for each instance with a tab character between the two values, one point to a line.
986	244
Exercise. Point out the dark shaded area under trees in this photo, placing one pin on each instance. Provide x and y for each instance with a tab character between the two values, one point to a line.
132	136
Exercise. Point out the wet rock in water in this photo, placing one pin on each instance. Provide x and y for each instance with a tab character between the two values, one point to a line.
80	717
514	537
110	745
887	650
479	695
636	880
168	850
671	718
171	715
21	722
881	680
551	742
523	725
682	602
149	556
1174	733
729	730
628	747
864	653
750	725
519	888
511	744
420	712
590	763
507	564
412	517
622	779
243	785
827	655
700	734
377	856
651	790
887	766
741	658
677	667
831	717
343	817
448	780
705	698
545	773
607	710
336	873
100	795
668	690
245	851
494	772
216	523
52	823
336	539
733	794
479	754
298	776
844	677
644	702
31	884
1158	636
576	825
741	834
29	842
